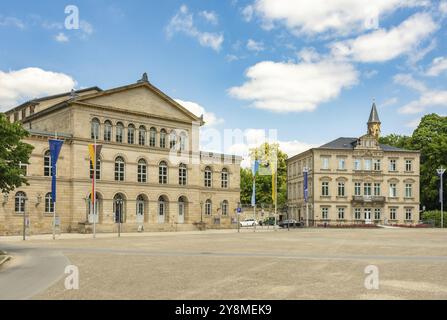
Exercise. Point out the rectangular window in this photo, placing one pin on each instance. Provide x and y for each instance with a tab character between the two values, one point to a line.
393	165
357	213
24	168
182	175
325	188
408	165
377	213
377	189
324	213
341	213
367	189
357	164
368	164
408	214
393	213
357	189
408	190
325	163
376	164
341	189
341	164
393	190
224	179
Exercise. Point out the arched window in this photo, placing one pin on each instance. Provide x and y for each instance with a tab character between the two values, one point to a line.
119	169
162	209
152	137
142	136
224	207
98	169
208	207
142	171
107	130
119	132
130	134
98	203
49	205
95	129
162	138
20	201
182	174
163	173
47	168
172	140
208	177
182	141
224	178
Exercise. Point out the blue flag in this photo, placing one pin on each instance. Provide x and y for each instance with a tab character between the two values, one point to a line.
55	149
305	186
254	170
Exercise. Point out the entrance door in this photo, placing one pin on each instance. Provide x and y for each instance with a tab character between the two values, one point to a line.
367	212
181	212
119	210
161	211
140	211
93	217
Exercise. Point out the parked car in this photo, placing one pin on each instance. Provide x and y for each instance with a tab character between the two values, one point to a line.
292	223
249	223
270	221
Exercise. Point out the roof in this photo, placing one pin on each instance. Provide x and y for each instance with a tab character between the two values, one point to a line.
59	95
344	143
374	115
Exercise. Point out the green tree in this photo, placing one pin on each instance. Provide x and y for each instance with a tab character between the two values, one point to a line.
430	138
264	182
13	152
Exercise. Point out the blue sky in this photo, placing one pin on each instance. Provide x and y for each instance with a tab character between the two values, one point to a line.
309	69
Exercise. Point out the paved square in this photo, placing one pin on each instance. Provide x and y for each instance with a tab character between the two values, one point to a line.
296	264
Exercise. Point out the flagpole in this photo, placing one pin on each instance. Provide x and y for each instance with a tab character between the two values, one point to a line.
276	194
54	200
94	190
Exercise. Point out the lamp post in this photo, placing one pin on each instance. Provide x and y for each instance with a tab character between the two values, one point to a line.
440	172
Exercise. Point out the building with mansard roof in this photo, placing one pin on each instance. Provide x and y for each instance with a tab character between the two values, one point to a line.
150	174
355	181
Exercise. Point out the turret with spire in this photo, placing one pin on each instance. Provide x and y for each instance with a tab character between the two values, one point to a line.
374	122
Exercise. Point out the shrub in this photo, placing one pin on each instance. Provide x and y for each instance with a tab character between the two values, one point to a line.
430	217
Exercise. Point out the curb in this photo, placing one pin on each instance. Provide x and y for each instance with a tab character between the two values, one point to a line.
4	259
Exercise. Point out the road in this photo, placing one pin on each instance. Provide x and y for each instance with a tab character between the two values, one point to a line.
31	271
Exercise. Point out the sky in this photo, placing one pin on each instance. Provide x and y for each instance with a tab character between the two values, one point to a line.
309	69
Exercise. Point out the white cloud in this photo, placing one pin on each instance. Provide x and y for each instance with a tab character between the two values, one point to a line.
308	54
443	7
294	87
183	22
438	66
428	98
383	45
247	13
61	37
210	16
210	118
389	102
29	83
253	45
413	123
11	22
322	16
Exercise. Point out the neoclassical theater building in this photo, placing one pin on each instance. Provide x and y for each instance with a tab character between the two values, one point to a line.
356	181
150	171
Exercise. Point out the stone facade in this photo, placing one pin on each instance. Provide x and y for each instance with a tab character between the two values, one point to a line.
148	185
356	181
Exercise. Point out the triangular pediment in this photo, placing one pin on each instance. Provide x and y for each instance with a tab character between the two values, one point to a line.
141	98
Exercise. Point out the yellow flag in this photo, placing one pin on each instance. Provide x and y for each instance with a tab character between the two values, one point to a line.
273	168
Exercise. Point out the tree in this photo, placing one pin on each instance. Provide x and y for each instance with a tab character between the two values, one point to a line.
13	152
264	181
430	138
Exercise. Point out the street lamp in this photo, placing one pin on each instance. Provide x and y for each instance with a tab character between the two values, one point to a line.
440	172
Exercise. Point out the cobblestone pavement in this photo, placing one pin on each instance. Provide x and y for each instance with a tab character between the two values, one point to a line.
295	264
